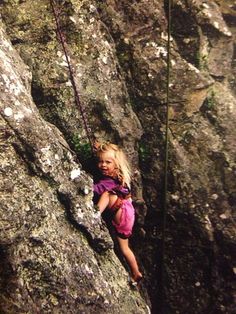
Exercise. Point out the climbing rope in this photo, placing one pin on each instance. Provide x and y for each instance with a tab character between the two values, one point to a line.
62	40
164	212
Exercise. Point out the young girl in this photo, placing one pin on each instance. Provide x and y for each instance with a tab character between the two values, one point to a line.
112	194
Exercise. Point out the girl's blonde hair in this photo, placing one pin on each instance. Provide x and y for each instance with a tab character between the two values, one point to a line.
123	167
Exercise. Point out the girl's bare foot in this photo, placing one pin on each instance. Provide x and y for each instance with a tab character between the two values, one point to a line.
137	278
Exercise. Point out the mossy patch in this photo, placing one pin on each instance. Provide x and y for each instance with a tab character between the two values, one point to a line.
144	152
82	148
210	101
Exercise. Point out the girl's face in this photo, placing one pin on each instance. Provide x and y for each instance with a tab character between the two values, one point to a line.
106	163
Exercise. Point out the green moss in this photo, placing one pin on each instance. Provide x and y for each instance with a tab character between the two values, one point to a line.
144	152
202	61
124	54
82	148
123	57
210	101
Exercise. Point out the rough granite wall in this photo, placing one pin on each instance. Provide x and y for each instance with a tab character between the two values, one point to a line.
56	253
118	52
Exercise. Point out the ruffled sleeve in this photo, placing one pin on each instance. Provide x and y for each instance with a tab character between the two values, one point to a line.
105	184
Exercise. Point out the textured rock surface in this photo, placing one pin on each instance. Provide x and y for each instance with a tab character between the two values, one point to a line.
50	233
118	52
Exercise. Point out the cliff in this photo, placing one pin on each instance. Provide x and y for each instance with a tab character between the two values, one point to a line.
56	253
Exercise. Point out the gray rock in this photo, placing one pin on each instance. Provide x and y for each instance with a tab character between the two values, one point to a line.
118	53
50	232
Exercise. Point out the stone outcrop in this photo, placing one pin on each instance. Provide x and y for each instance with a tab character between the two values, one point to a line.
119	56
55	250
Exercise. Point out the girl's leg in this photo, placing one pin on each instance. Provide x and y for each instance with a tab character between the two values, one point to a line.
103	201
130	258
108	200
112	199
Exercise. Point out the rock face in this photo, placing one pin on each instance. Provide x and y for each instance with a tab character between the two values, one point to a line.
56	252
52	239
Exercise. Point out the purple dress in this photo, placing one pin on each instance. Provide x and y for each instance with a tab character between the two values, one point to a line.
124	228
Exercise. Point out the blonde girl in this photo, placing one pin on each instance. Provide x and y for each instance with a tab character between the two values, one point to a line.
112	194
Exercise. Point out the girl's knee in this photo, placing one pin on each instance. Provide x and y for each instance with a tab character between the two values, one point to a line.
112	199
105	197
105	194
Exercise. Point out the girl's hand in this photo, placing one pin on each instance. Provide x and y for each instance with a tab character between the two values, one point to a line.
96	145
